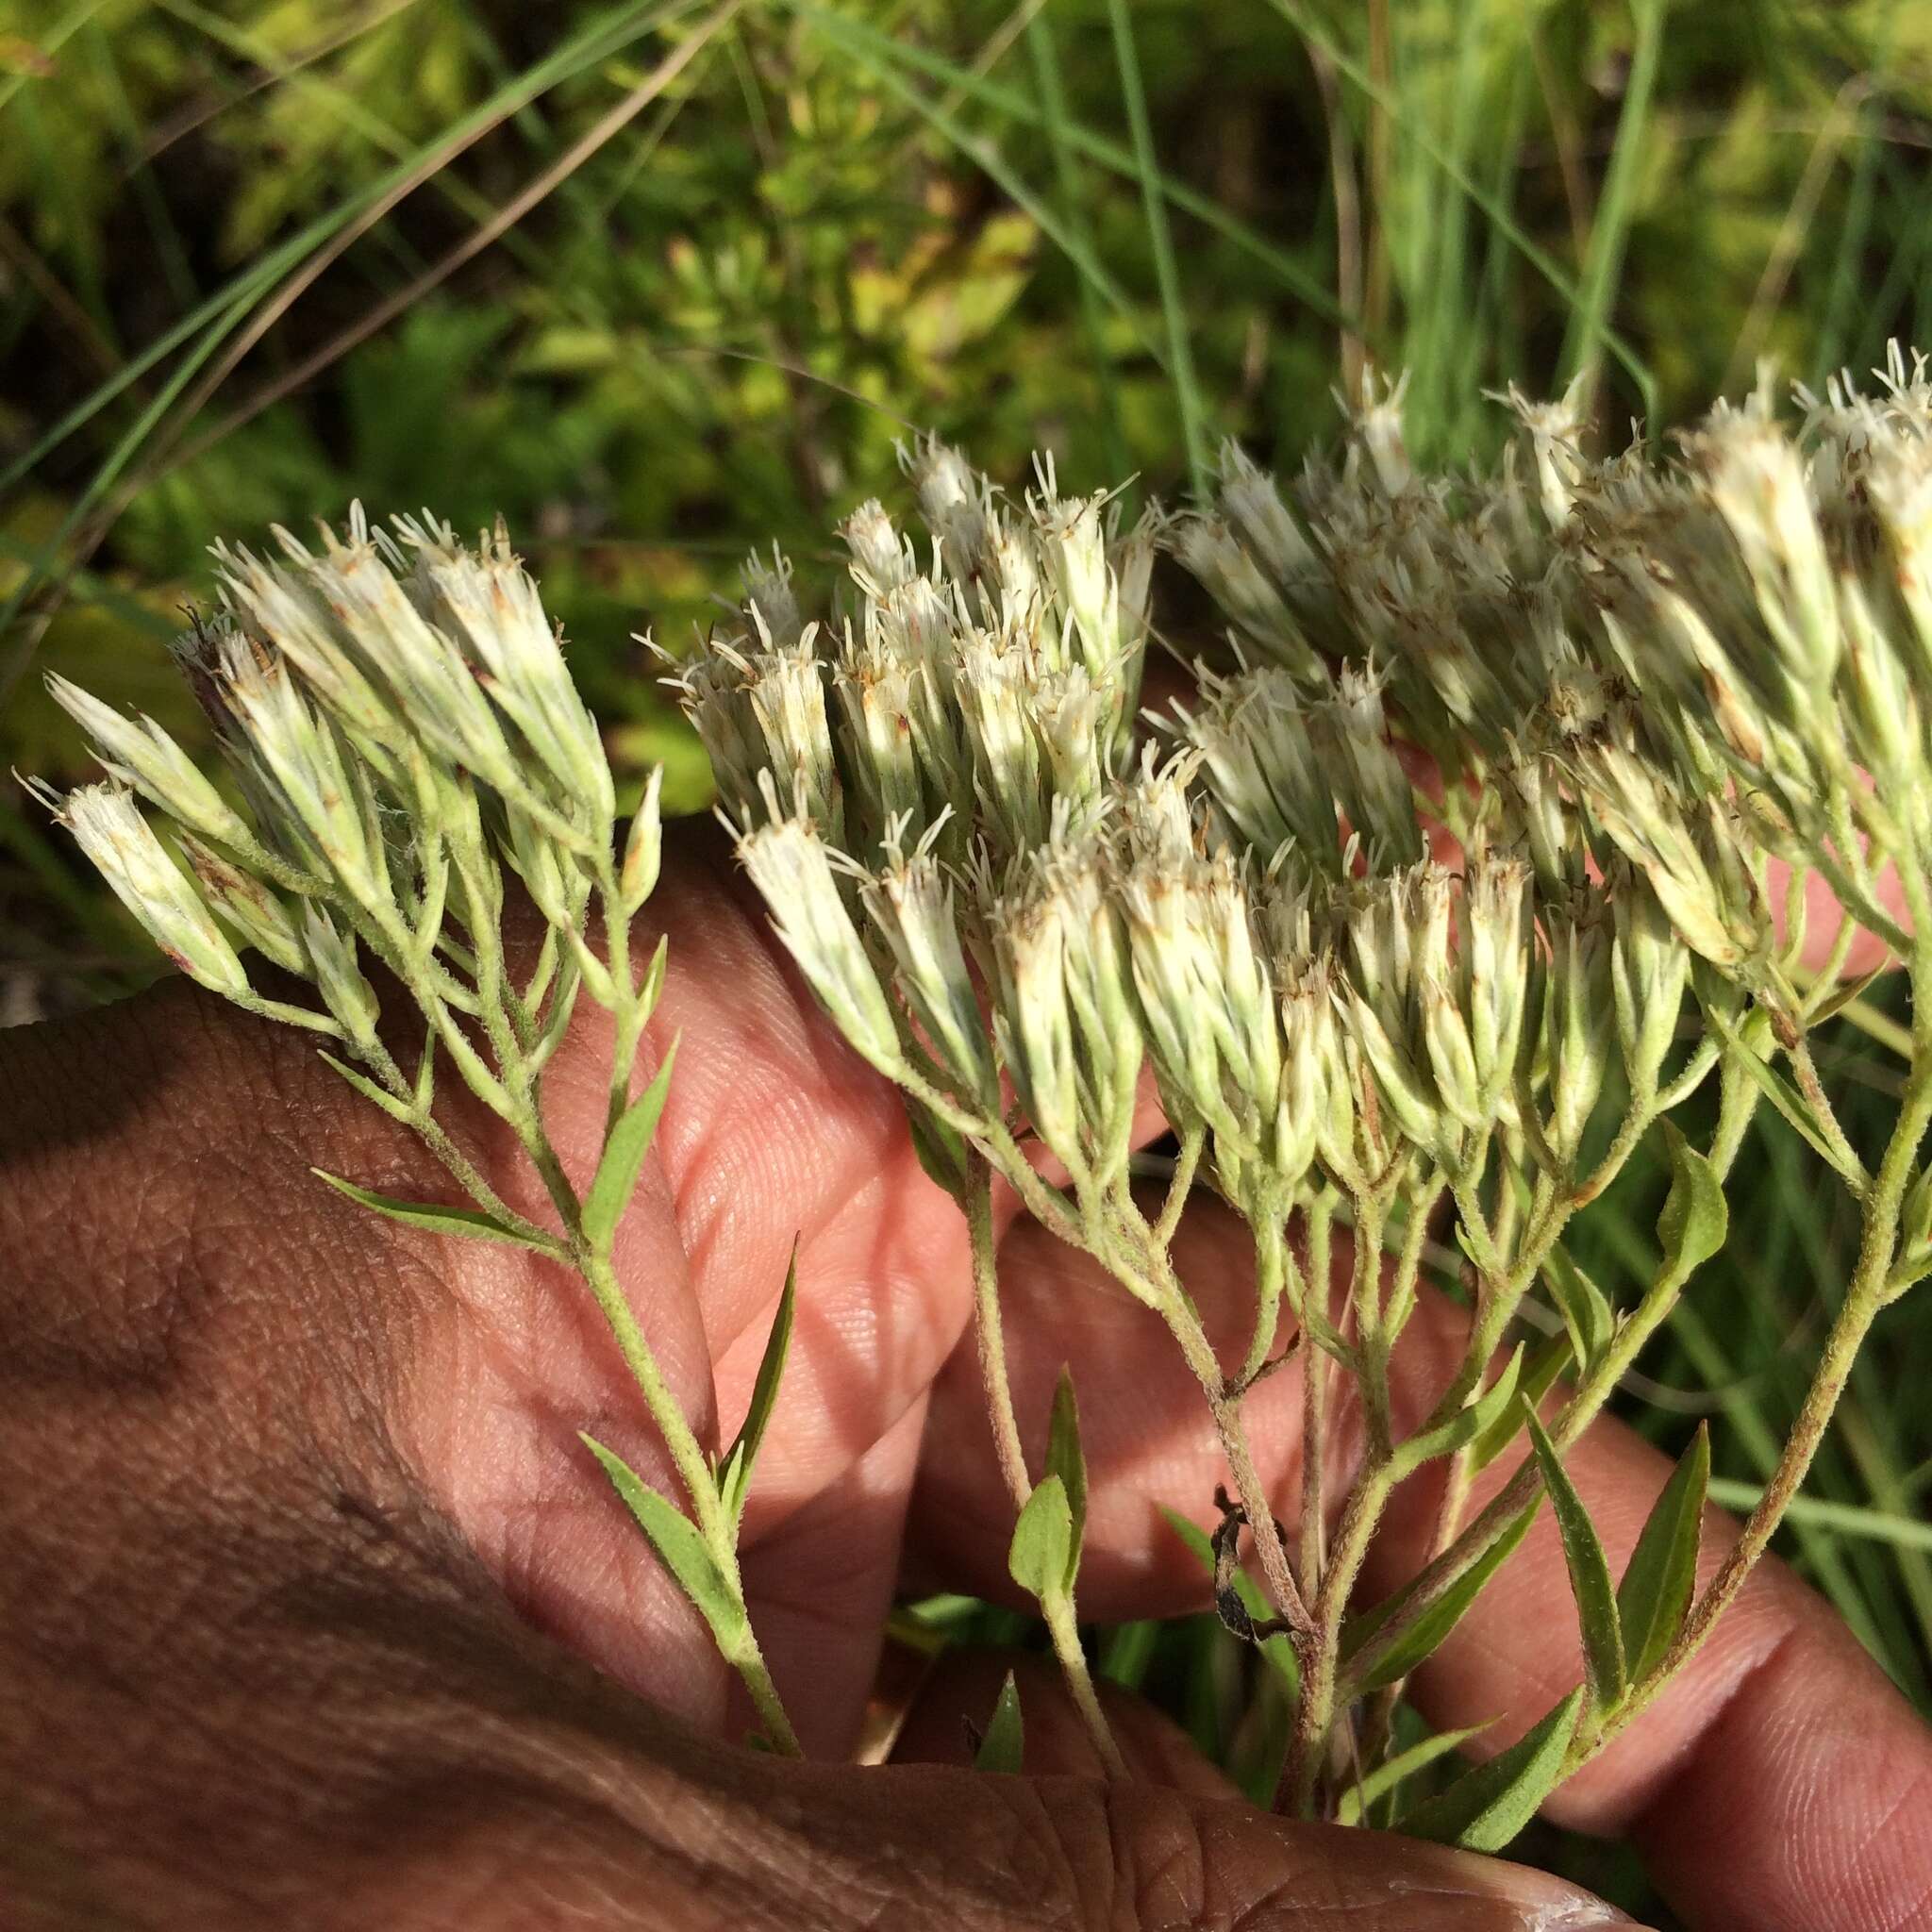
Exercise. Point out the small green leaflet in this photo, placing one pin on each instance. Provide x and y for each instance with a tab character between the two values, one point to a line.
1003	1747
1425	1635
941	1150
681	1548
427	1216
1695	1218
1042	1545
735	1468
1064	1459
1387	1775
1782	1096
1488	1806
1473	1420
1589	1573
1584	1307
1548	1362
625	1148
1662	1571
653	984
397	1109
1278	1650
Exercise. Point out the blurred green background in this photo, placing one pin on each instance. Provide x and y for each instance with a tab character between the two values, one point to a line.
663	281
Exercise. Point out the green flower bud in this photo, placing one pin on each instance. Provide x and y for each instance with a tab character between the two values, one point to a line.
489	604
1650	967
644	845
1580	1024
339	979
248	906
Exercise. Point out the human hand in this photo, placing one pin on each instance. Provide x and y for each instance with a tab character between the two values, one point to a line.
279	1480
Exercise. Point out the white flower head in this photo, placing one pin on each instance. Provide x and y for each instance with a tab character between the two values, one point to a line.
910	902
432	685
487	604
791	865
138	753
122	846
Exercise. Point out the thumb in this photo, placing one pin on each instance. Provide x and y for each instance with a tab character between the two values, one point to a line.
1175	1846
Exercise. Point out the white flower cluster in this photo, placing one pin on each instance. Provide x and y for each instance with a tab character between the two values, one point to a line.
401	730
937	797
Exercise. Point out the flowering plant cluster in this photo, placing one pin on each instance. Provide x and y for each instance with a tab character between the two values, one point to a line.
404	742
1488	846
1491	847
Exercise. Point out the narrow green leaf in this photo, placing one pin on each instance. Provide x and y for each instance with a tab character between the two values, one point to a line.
397	1109
1065	1459
1004	1746
1278	1650
625	1148
427	1215
1389	1774
1584	1307
1662	1571
941	1151
680	1548
1489	1804
735	1471
1475	1419
1042	1541
1425	1635
1589	1573
1536	1381
653	984
425	1074
1695	1218
1782	1096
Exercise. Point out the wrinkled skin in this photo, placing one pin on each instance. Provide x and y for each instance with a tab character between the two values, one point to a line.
315	1614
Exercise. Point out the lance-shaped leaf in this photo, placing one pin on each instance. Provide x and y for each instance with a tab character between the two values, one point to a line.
1695	1219
1042	1541
1537	1379
1421	1638
1589	1573
1488	1806
1475	1419
1782	1096
1584	1307
1392	1772
735	1468
681	1548
1065	1459
625	1148
397	1108
1004	1746
1662	1571
430	1216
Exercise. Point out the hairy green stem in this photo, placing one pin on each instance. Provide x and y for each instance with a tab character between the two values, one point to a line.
989	1331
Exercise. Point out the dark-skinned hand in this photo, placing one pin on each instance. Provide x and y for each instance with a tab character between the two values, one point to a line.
314	1612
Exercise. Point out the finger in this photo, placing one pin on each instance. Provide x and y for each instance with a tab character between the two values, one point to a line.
1772	1785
